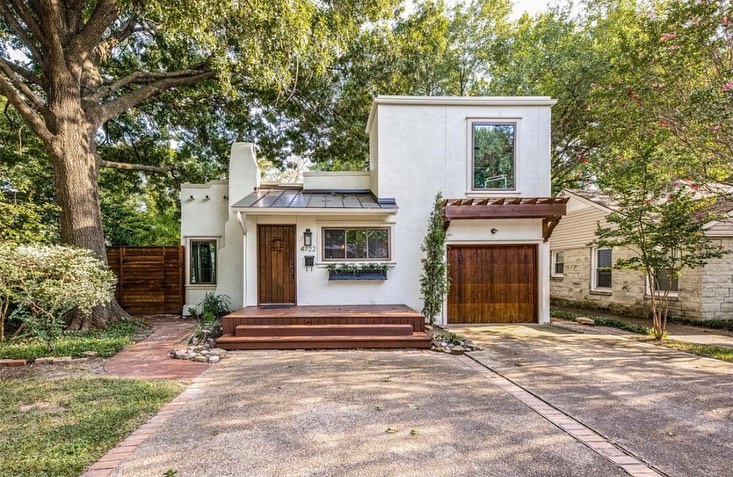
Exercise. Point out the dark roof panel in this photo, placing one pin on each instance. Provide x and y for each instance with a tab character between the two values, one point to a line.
299	199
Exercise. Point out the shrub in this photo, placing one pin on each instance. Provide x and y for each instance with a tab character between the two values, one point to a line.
208	313
48	283
434	280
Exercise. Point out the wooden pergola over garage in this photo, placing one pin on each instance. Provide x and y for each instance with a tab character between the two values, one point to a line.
549	209
497	283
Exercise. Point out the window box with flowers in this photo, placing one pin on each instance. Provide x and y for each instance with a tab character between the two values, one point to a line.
364	271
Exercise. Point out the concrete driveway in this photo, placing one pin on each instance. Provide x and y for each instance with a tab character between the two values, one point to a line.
357	413
671	409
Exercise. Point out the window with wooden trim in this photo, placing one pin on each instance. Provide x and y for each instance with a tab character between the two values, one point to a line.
202	261
355	244
493	155
602	268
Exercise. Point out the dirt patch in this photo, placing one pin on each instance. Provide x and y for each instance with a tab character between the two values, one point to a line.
93	367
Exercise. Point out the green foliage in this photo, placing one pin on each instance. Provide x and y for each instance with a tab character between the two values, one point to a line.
609	321
106	342
659	219
448	337
726	325
58	427
209	311
359	267
47	283
707	351
434	281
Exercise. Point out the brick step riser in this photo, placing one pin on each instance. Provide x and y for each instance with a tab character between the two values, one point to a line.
326	345
323	330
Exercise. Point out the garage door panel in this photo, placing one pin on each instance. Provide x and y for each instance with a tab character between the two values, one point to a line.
492	284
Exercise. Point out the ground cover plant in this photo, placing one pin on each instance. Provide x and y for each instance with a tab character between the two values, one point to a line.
57	428
707	351
75	343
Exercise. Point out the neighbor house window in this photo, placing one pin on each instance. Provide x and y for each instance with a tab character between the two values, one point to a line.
558	263
356	244
493	155
602	265
666	281
202	262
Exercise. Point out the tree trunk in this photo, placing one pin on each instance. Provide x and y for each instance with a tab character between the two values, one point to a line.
76	174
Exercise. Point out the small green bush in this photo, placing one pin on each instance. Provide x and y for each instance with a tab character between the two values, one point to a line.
448	337
726	325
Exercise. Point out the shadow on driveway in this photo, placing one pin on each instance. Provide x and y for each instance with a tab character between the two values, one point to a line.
672	409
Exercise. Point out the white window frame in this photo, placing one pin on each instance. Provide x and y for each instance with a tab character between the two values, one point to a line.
553	262
322	238
215	239
594	270
470	189
672	293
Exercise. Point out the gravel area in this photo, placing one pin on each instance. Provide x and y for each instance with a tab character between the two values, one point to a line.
672	409
357	413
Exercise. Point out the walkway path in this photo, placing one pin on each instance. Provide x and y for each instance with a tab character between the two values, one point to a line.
148	359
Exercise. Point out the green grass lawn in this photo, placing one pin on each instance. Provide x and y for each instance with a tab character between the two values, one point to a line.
106	342
57	428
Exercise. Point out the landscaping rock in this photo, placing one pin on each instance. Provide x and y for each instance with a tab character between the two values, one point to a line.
222	353
214	358
199	358
62	360
43	361
457	350
585	321
90	354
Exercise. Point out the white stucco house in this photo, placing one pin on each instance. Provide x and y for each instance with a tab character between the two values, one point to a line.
583	275
275	245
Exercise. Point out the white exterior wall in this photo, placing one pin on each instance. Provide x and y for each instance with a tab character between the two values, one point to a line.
416	151
426	149
338	180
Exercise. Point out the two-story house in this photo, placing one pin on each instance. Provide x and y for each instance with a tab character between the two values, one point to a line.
271	246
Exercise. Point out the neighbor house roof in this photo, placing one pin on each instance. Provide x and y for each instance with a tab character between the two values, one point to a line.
266	201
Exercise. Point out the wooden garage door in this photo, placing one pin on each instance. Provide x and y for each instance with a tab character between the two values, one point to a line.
492	284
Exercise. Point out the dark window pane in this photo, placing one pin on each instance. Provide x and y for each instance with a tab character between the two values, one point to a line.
604	279
666	281
493	156
334	244
604	258
559	263
356	244
559	268
378	244
203	261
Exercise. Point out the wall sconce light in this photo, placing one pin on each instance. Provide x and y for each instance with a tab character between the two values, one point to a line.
207	197
190	197
493	231
308	238
310	260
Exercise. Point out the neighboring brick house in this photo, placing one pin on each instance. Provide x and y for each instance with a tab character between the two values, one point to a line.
582	274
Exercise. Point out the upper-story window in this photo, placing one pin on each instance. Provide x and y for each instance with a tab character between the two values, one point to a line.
493	155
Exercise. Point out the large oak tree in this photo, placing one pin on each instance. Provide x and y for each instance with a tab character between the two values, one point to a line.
69	66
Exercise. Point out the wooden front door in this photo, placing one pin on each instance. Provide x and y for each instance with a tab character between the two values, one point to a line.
276	265
492	284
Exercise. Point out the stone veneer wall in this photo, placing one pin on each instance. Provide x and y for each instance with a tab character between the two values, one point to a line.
628	288
717	285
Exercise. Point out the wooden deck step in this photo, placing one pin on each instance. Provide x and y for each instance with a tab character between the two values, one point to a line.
324	330
415	340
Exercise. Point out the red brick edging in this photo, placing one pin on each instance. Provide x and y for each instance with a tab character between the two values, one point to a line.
109	462
576	429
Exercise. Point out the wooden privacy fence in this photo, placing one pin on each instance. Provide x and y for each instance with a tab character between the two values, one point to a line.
149	279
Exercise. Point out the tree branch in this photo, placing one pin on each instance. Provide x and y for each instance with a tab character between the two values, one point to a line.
27	17
26	37
117	106
22	88
31	117
24	72
126	166
144	77
103	16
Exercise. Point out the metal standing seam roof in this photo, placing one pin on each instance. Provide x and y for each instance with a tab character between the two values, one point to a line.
300	199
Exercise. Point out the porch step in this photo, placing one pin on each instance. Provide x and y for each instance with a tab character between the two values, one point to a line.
324	330
414	340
